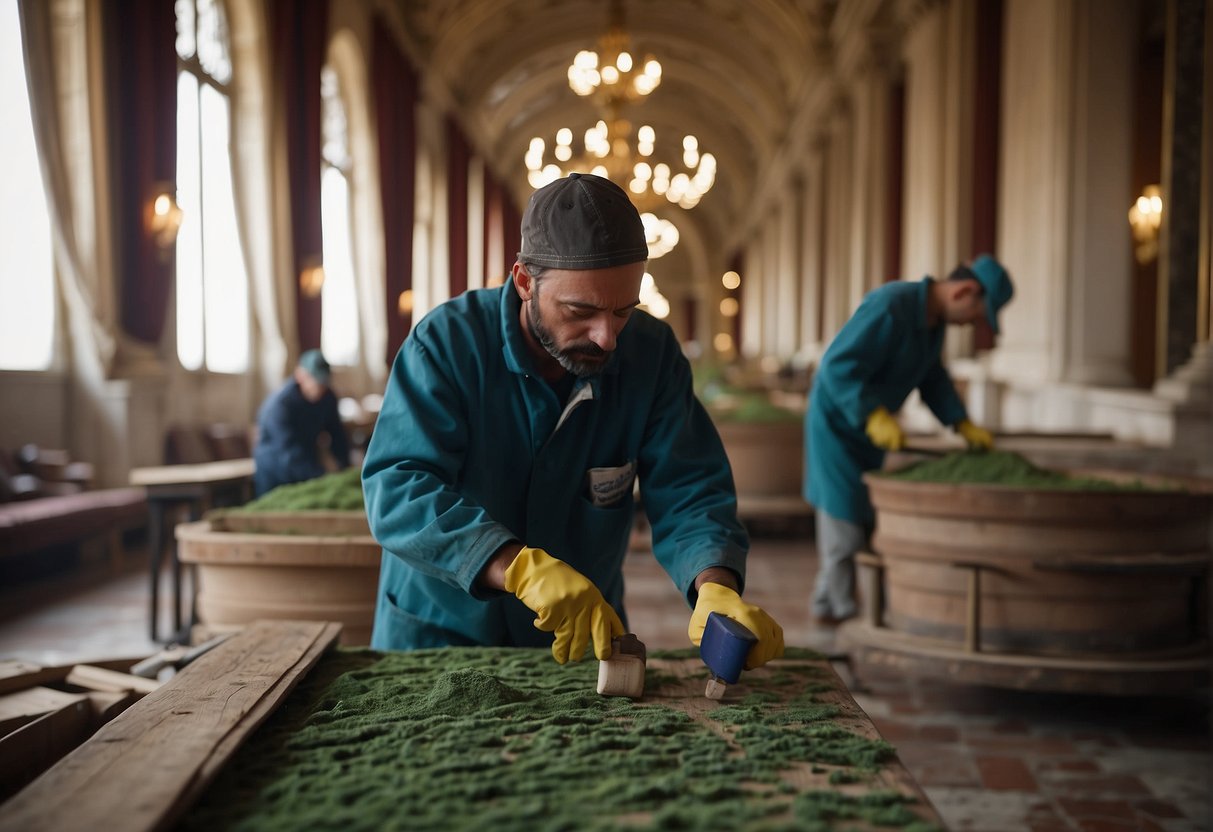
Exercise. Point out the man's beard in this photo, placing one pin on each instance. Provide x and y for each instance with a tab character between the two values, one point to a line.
572	358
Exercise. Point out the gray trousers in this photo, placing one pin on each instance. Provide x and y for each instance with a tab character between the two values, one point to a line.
837	542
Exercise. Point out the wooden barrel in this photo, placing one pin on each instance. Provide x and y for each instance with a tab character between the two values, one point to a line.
767	458
1060	572
245	575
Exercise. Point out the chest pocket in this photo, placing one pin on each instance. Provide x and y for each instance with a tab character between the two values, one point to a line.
607	486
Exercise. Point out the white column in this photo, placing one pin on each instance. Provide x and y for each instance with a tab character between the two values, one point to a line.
923	210
870	102
770	283
1100	271
811	241
838	235
475	223
751	301
1066	110
789	289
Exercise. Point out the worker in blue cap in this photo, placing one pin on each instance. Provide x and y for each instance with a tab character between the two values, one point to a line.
517	421
292	423
889	347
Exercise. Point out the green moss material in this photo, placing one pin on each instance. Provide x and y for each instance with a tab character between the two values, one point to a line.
341	491
1003	468
505	739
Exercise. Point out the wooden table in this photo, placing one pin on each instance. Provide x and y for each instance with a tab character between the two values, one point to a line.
198	488
146	770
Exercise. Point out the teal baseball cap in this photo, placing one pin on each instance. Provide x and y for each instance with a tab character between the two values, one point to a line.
314	362
995	283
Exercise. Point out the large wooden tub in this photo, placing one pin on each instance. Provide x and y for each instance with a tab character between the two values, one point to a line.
988	575
767	458
315	565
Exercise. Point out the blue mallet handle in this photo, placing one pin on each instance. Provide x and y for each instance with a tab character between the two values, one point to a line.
724	646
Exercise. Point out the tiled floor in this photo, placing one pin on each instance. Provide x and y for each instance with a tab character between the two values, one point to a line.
1001	761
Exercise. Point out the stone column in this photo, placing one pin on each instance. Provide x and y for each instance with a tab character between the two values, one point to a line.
1180	244
839	193
751	300
1034	195
1100	272
771	282
789	284
811	242
923	210
869	93
1064	173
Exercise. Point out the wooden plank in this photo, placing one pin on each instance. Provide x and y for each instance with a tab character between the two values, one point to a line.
33	748
140	770
204	472
18	675
112	681
24	706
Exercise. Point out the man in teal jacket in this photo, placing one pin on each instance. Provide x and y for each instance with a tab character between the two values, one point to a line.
889	347
499	478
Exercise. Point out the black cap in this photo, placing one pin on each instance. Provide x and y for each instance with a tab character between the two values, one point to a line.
582	222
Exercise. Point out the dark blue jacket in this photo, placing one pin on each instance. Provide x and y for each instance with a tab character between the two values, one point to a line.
288	426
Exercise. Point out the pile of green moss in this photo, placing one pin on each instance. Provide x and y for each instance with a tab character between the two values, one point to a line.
505	739
341	491
752	407
1004	468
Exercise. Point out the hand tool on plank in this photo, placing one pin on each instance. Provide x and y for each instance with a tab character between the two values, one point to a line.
176	656
723	649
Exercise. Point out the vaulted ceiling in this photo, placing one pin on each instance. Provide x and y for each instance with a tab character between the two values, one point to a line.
733	71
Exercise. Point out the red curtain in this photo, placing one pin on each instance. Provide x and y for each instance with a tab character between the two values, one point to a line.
985	143
395	89
299	30
141	86
511	228
458	156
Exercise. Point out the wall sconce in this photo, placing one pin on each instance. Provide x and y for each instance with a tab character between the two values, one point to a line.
1145	218
164	218
311	281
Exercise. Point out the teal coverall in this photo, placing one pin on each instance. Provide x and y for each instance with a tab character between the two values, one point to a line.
880	355
473	450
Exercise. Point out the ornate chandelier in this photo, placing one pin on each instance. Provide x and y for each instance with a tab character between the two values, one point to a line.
608	151
612	74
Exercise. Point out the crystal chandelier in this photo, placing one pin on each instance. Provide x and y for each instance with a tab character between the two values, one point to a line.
608	151
612	74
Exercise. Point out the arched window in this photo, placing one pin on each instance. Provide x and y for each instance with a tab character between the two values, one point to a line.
27	278
212	282
339	297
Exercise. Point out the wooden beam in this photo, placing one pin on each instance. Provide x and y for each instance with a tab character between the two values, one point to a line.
142	770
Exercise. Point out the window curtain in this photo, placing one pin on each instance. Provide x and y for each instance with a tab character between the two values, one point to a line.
395	89
65	95
299	32
141	91
458	157
258	168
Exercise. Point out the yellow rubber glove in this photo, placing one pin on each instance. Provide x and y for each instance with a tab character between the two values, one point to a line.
979	438
719	598
884	431
566	602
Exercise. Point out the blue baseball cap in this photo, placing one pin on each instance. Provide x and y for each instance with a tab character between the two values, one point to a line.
314	362
996	284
